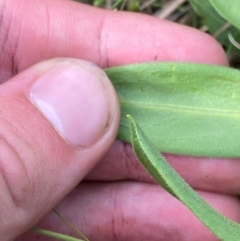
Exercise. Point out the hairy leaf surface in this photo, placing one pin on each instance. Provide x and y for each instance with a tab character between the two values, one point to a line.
188	109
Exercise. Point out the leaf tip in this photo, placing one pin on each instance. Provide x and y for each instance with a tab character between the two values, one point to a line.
130	119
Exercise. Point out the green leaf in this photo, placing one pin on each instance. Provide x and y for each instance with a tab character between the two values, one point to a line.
188	109
167	177
217	25
228	10
209	15
98	3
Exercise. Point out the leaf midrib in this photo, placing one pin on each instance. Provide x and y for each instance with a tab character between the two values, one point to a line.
199	110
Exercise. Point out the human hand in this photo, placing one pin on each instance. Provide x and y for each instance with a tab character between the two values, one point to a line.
128	206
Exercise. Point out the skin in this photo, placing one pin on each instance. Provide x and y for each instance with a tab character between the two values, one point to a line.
117	199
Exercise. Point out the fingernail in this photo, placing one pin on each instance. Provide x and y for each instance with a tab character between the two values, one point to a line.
74	99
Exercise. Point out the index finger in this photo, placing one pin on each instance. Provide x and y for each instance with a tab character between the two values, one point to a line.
33	31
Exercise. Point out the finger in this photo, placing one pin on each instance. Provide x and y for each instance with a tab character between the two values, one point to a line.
209	174
70	29
52	133
133	211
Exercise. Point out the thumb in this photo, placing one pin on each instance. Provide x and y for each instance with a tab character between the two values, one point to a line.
57	119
